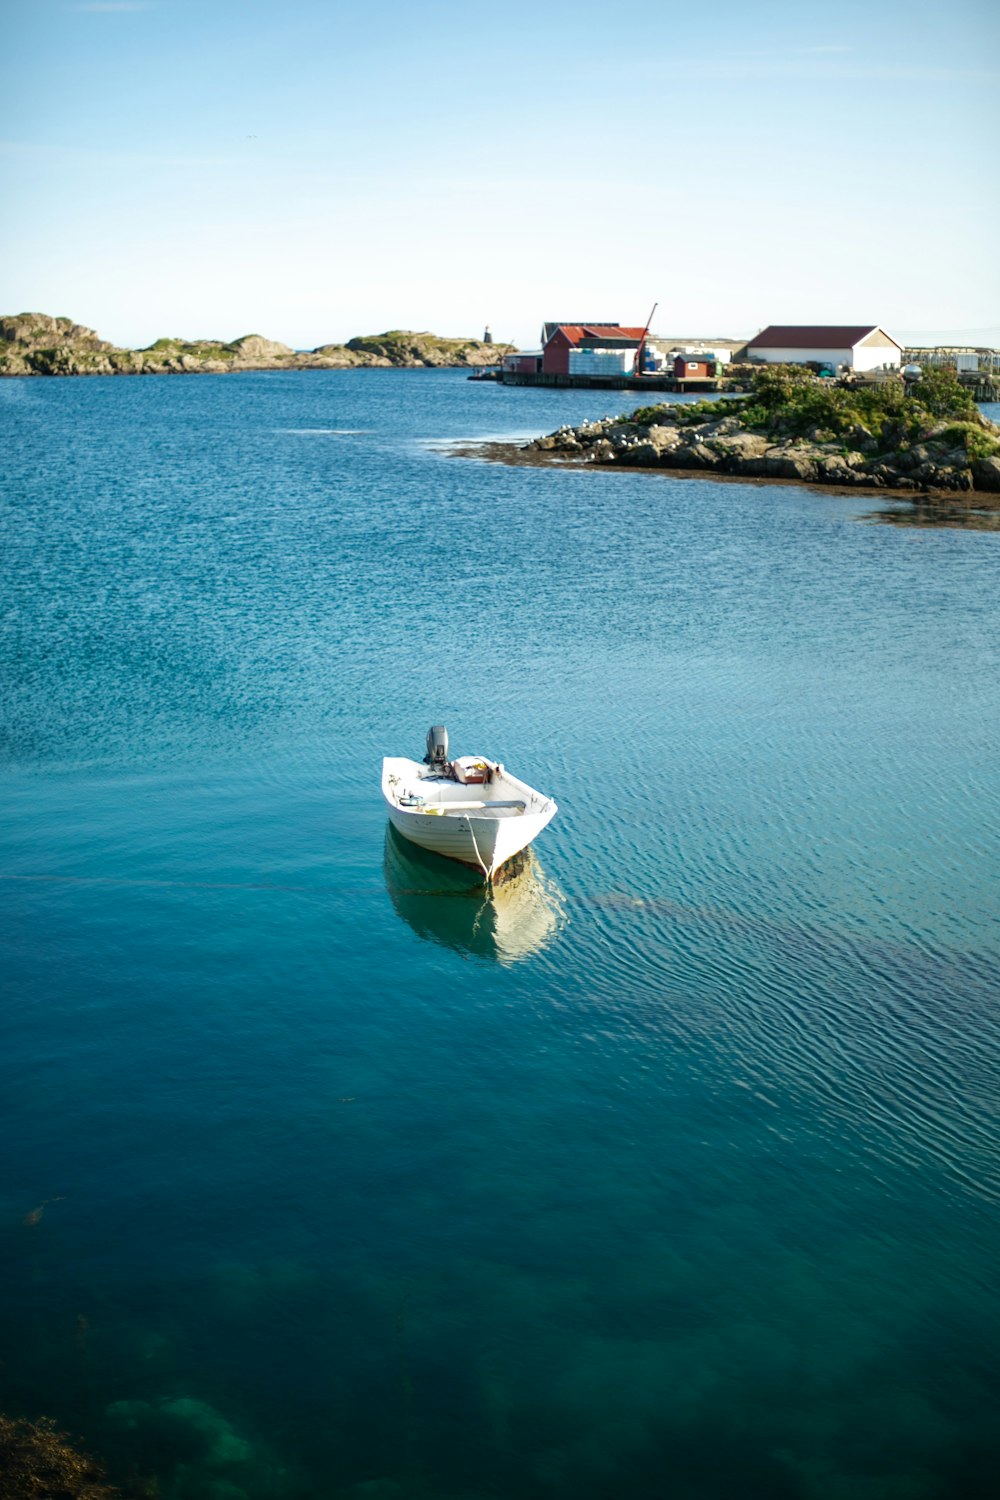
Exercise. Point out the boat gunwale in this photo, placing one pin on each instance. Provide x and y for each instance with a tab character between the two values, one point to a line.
536	803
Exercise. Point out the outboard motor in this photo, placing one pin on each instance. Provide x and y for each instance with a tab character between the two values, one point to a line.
437	747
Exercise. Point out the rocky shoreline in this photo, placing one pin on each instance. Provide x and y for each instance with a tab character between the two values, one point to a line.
942	457
35	344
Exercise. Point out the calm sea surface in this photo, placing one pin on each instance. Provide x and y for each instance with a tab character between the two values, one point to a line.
673	1171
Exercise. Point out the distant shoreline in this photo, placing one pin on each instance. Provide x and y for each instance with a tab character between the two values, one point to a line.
34	344
254	369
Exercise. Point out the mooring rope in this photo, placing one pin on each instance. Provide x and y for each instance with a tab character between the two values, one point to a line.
482	866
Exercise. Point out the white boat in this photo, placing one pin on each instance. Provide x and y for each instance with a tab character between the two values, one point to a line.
470	809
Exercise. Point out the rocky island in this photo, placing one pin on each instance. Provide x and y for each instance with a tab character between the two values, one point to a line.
925	436
35	344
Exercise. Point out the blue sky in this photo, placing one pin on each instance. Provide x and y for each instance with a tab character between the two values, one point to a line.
313	170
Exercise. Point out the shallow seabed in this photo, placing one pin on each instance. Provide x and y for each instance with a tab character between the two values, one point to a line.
670	1172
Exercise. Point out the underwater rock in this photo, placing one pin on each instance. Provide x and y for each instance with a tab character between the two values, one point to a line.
193	1451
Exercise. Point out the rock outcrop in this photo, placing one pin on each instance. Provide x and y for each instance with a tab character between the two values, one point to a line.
35	344
712	438
423	349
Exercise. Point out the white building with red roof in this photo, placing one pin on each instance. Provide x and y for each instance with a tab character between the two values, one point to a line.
858	347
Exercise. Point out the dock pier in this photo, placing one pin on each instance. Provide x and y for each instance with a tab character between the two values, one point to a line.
613	382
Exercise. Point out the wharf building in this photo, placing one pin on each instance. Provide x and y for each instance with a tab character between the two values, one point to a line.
841	347
603	351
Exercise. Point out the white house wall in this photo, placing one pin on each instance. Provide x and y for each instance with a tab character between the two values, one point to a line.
863	357
803	356
873	356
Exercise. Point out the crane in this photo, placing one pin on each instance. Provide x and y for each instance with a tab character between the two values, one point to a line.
642	342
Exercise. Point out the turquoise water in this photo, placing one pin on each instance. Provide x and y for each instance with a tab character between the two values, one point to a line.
673	1170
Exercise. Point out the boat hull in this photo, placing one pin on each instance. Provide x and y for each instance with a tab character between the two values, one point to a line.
480	842
484	842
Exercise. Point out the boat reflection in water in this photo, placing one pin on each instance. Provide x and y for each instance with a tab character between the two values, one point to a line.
449	904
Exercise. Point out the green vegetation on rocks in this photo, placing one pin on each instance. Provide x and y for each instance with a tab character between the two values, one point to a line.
35	344
788	399
399	347
925	435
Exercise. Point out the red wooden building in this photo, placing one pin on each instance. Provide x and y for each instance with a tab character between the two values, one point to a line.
694	367
518	362
560	339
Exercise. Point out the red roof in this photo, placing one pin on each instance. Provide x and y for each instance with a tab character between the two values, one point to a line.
802	336
577	331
